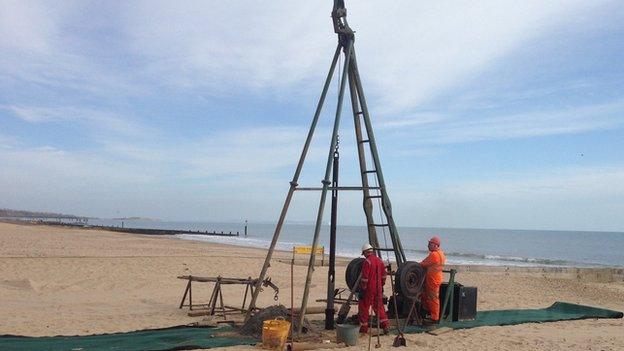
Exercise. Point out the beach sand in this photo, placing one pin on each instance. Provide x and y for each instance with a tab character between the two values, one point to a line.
64	281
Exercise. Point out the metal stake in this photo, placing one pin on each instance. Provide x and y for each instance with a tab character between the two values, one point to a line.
331	272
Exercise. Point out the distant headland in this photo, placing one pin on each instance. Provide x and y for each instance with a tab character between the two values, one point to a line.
24	214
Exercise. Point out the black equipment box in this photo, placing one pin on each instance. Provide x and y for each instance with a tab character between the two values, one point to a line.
464	302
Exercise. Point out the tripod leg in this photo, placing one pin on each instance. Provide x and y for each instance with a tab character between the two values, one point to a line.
357	123
293	185
326	182
387	207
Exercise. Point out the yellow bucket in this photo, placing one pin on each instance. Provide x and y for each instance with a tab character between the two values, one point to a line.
274	333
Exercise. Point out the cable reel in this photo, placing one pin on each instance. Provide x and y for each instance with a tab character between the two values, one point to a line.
409	277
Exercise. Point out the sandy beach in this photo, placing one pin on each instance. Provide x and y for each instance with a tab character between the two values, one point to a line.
63	281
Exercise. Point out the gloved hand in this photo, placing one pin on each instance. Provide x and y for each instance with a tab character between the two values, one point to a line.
361	293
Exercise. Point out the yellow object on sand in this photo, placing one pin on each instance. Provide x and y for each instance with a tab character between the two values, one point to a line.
274	333
320	250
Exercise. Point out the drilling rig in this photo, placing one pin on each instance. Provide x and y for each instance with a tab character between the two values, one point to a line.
408	276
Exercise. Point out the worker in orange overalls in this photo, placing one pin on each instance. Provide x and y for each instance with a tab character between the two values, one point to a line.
430	297
370	290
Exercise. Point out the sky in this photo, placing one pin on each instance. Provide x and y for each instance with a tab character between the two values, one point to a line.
489	114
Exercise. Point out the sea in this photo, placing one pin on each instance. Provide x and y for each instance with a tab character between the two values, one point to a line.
498	247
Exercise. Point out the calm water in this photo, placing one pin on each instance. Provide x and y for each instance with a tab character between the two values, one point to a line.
462	246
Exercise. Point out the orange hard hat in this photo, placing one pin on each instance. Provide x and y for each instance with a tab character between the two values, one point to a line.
435	240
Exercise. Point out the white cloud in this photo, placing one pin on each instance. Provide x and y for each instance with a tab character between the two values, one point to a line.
250	151
408	52
565	199
27	26
44	44
6	141
230	45
58	171
227	169
410	121
233	153
432	47
182	180
568	120
97	119
47	178
580	183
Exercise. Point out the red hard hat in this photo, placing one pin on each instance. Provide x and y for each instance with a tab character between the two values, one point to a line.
435	240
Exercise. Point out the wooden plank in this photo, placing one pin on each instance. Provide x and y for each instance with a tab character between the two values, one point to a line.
223	280
207	323
338	301
312	310
219	314
197	313
302	346
439	331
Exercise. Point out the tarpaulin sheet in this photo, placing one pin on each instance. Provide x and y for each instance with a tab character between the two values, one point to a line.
177	338
187	338
559	311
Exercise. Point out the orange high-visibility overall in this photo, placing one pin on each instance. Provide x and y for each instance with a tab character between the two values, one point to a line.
373	278
430	297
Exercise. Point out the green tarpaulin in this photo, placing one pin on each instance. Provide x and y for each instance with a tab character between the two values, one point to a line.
185	338
177	338
559	311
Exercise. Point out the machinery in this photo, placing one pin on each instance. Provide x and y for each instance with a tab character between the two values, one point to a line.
376	203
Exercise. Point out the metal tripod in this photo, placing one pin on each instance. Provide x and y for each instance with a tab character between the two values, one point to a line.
364	136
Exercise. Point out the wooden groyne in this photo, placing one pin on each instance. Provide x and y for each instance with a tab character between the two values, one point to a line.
144	231
148	231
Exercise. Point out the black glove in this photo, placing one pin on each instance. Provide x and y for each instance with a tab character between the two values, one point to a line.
361	293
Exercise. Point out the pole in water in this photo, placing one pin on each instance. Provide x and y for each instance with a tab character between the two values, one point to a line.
331	273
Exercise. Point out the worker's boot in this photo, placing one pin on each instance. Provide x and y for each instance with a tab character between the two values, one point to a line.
386	328
429	321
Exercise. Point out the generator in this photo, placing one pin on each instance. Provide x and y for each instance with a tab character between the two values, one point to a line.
463	302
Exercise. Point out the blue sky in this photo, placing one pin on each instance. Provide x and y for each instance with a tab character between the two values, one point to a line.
493	115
